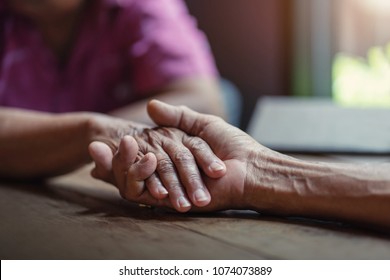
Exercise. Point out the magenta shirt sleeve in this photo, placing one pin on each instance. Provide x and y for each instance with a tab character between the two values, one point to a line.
167	45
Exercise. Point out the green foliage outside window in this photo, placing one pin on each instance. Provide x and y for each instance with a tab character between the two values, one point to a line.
363	82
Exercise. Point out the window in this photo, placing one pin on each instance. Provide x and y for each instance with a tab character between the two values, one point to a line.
341	48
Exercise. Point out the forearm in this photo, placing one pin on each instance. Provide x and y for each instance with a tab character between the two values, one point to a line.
353	193
201	94
36	145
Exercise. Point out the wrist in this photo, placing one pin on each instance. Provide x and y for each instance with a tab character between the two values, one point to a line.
110	130
278	183
82	130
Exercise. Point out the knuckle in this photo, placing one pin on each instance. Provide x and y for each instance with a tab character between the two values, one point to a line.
165	166
175	189
164	132
182	155
193	179
167	132
148	137
197	144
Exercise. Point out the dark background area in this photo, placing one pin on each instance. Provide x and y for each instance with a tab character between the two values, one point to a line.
251	42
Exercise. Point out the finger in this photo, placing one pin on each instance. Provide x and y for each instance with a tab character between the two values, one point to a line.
194	124
170	180
189	173
138	173
155	187
180	117
102	155
147	199
211	165
122	161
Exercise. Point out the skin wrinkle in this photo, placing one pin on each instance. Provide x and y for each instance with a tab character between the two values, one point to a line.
165	166
182	154
181	119
281	178
263	180
293	178
347	174
162	143
200	129
251	167
196	144
187	159
153	139
193	178
364	170
196	127
110	136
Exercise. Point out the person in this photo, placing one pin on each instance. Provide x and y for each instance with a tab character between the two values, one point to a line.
104	56
261	179
73	72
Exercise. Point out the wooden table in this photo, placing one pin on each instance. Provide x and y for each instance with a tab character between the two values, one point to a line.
76	217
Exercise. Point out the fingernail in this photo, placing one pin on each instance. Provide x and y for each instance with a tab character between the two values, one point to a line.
183	203
162	191
200	196
216	166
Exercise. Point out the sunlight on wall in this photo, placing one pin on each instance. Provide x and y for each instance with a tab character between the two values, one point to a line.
363	82
377	6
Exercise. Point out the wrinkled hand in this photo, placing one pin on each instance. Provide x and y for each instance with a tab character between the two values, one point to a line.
174	156
230	144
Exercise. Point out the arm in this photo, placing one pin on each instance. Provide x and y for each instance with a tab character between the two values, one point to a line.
36	145
261	179
40	145
354	193
29	150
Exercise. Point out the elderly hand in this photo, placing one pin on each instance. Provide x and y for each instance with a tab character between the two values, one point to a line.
238	151
230	144
174	156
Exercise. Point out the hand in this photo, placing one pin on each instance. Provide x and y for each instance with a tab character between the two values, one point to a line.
173	152
238	151
114	169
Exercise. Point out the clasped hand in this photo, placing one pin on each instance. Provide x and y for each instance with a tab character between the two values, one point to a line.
160	167
191	157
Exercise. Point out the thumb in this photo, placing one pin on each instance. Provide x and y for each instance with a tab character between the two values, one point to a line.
180	117
102	155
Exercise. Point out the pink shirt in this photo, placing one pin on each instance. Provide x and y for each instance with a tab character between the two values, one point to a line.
124	50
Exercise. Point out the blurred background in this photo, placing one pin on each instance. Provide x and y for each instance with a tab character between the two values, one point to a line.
331	48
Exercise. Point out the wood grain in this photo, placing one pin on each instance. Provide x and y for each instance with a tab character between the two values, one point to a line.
77	217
